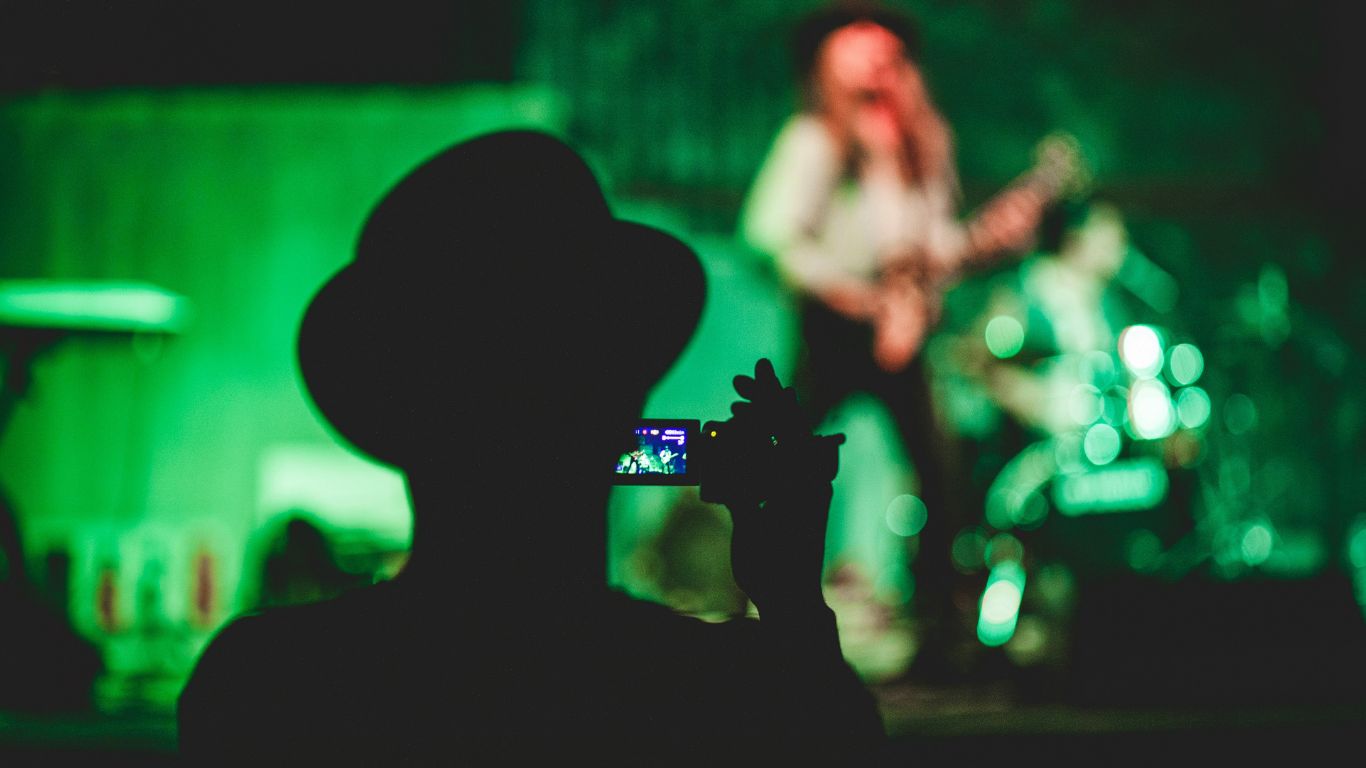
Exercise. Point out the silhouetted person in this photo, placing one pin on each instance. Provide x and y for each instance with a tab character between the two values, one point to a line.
299	566
45	666
482	312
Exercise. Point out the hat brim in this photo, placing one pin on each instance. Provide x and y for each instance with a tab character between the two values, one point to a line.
373	347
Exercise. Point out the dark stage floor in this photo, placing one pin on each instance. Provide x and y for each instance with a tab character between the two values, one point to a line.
956	726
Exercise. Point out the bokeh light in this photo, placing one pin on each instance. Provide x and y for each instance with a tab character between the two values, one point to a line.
1101	444
1000	602
1140	347
1192	407
1151	414
906	515
1185	363
1000	605
1256	544
1004	336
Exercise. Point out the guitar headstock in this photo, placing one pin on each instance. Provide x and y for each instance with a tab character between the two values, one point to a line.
1059	165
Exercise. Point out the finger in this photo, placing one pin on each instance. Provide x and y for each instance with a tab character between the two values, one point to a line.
765	375
745	386
763	369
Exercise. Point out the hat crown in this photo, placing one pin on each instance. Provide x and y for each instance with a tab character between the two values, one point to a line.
501	195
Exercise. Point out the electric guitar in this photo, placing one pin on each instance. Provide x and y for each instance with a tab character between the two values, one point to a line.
911	290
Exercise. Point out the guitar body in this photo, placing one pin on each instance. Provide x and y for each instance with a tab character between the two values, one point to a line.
901	324
909	303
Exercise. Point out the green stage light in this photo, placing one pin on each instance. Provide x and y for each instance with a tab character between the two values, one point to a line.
1101	444
1000	604
1151	415
906	515
1004	336
1192	407
1140	347
1256	544
1185	363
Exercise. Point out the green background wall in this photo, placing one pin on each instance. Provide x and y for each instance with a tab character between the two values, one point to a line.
1214	127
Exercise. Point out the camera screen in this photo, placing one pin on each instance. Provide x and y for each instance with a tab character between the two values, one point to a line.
660	456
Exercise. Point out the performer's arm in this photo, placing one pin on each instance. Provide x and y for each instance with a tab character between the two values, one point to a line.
1006	224
784	213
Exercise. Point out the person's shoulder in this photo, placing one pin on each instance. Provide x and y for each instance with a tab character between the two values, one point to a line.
805	128
267	666
266	641
245	646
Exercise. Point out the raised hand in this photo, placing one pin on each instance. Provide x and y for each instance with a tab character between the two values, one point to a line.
779	496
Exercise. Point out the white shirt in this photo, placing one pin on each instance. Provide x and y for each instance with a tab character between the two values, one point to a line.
823	226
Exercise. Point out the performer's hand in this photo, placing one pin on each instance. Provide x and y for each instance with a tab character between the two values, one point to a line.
1009	220
778	541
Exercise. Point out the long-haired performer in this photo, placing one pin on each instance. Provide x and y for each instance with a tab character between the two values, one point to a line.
857	204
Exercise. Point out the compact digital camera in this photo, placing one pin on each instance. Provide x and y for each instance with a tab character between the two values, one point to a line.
711	455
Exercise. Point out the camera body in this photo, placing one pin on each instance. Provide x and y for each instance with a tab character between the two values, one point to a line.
721	460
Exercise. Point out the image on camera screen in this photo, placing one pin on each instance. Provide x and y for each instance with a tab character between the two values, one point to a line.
660	450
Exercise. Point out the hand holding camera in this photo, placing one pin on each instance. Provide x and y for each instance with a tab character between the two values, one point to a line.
765	447
769	470
777	486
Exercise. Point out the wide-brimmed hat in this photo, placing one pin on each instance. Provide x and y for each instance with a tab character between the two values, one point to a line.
495	270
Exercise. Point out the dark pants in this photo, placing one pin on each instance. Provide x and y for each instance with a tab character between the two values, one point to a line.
835	362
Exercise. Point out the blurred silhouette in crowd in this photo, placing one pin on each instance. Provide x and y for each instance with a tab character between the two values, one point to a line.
484	307
44	665
299	565
857	203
